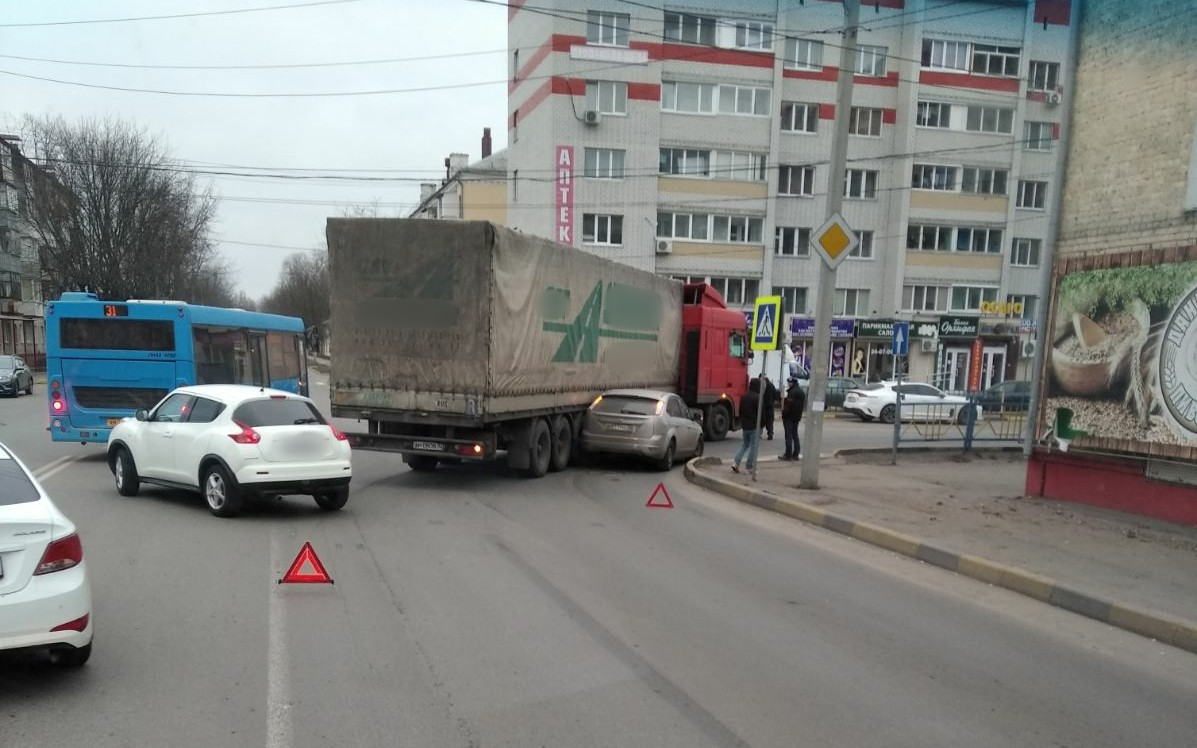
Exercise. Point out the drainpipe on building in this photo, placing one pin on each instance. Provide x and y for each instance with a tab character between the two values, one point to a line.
1048	261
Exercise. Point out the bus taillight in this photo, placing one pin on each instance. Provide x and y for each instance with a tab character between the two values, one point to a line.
57	404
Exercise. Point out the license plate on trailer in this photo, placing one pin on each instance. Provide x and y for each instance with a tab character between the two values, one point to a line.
113	421
428	446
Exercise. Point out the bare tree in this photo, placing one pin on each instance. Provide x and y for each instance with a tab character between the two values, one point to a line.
302	289
115	216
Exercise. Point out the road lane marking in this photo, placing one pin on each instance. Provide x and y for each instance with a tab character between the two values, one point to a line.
278	715
52	468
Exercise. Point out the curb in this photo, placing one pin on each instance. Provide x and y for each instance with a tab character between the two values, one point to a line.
1178	632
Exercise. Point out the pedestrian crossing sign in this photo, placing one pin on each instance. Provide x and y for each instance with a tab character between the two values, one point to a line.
766	323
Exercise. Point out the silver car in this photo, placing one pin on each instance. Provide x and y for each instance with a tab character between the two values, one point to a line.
647	423
15	376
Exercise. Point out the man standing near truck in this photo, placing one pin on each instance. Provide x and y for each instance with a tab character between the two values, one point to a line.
771	395
791	416
750	429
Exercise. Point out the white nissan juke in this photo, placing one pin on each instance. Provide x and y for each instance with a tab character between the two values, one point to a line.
230	441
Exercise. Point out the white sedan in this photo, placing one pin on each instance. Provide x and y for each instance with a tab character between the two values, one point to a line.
920	402
229	441
45	598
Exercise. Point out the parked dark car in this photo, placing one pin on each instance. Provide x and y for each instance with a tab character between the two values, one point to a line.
836	388
15	376
1009	396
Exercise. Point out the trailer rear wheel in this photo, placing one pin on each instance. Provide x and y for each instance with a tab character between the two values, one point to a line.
716	422
563	442
540	449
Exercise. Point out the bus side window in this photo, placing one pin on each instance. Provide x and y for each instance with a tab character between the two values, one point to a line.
221	357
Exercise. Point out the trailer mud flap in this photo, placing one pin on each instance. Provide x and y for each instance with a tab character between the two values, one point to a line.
519	448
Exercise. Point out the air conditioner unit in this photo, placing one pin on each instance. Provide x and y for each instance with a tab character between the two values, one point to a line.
1028	348
1054	98
591	117
929	345
664	247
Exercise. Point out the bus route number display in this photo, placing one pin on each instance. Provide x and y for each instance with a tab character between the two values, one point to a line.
116	310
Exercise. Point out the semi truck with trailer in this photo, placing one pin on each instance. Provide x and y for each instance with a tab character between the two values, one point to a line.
463	340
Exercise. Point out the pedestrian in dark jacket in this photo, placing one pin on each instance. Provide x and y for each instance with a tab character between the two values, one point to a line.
750	430
771	398
791	415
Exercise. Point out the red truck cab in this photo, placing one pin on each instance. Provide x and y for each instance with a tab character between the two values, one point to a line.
714	358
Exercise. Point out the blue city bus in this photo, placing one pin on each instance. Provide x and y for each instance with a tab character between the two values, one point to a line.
107	359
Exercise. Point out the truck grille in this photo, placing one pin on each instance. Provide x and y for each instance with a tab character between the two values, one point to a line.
117	398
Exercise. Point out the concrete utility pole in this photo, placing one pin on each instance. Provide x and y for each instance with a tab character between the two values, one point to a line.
812	442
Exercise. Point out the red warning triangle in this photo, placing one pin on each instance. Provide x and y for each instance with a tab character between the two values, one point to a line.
664	502
314	572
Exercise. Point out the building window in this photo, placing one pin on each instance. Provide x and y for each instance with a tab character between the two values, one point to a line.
685	161
1025	252
1032	195
515	186
804	54
860	184
870	60
1045	76
977	180
740	166
989	119
791	241
799	117
1022	305
515	125
610	29
692	226
970	298
607	97
991	59
865	121
603	163
738	291
944	55
929	238
918	298
515	66
864	249
744	100
793	299
690	29
934	114
979	240
754	35
796	180
602	229
1038	136
693	98
737	229
933	177
851	302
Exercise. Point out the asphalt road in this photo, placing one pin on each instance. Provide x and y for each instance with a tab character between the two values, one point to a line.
472	608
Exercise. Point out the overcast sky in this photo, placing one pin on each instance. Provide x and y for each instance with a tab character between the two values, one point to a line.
409	133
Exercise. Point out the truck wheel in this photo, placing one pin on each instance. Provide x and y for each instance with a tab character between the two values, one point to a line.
563	442
422	463
716	422
541	450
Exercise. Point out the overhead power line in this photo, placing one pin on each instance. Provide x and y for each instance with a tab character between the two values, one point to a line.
197	14
280	66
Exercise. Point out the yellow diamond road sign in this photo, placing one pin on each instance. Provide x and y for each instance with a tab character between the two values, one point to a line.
835	240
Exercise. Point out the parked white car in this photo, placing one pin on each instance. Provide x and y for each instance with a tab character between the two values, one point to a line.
230	441
45	597
920	402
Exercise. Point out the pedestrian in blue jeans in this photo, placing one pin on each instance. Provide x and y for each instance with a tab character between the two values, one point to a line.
750	429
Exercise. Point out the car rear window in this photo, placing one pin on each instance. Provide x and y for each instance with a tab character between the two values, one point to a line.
636	406
15	486
873	386
276	412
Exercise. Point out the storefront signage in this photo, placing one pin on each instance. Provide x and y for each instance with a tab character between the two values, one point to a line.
974	365
957	327
565	195
924	330
1002	308
804	327
875	328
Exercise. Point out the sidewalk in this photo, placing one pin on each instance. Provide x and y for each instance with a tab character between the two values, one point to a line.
968	514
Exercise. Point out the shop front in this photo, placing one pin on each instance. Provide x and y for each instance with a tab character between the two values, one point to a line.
873	358
843	330
975	354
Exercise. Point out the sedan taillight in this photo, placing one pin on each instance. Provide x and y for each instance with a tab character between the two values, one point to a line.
246	436
339	434
61	554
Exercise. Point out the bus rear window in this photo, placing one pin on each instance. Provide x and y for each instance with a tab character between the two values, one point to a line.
117	334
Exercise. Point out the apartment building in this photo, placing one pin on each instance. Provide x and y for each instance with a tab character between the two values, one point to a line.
694	140
470	191
22	307
1121	363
